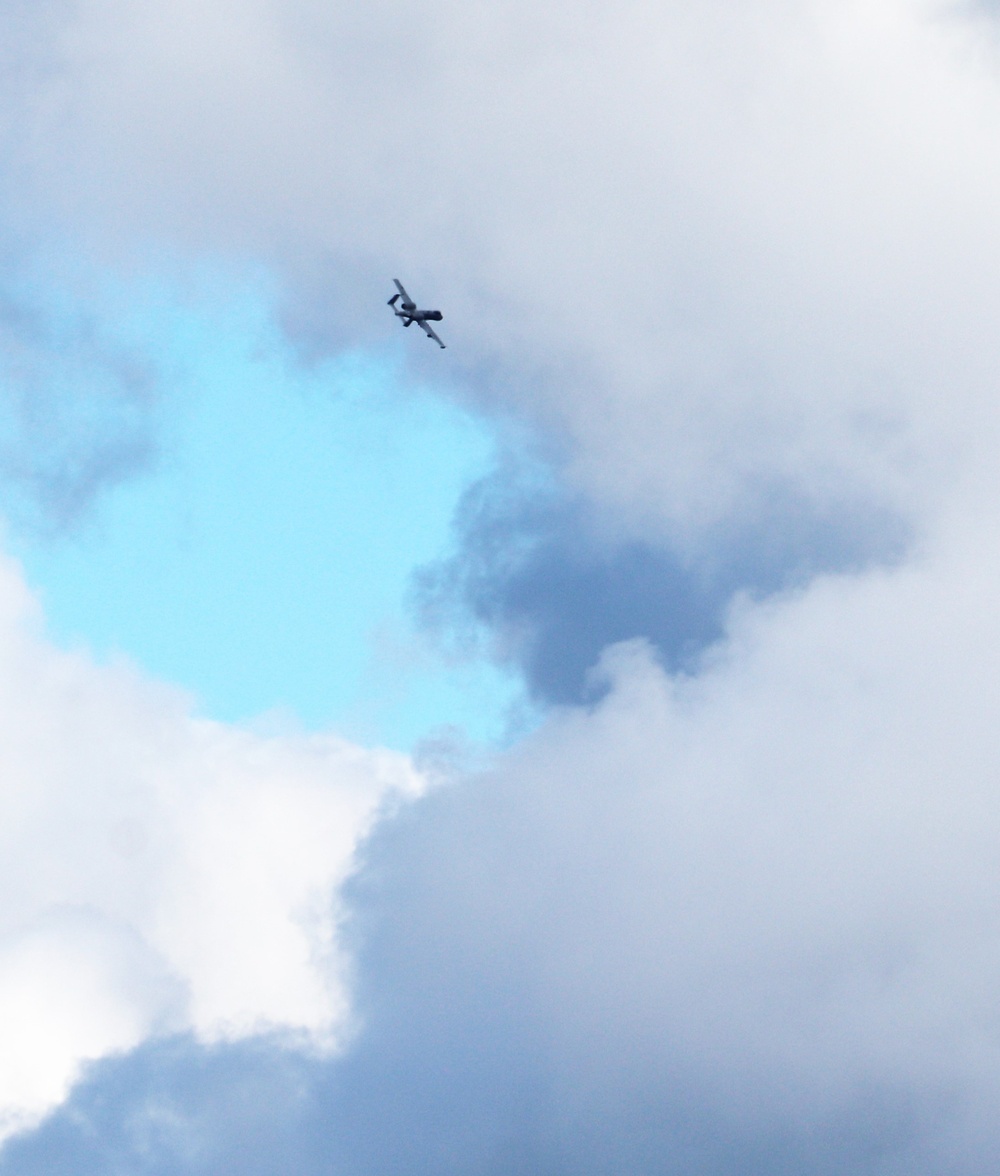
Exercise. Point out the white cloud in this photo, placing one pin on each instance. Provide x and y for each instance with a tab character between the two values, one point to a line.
160	872
725	249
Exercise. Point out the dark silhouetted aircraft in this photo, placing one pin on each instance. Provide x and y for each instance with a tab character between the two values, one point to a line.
409	314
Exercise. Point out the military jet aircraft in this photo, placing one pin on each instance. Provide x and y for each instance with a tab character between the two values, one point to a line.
409	314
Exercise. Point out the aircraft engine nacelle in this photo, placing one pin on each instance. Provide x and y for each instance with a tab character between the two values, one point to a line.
436	315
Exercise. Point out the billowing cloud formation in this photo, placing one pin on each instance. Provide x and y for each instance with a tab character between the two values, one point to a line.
722	258
739	922
735	923
723	253
159	872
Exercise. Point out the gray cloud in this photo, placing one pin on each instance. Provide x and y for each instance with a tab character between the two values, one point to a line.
740	922
177	1106
739	267
744	923
551	589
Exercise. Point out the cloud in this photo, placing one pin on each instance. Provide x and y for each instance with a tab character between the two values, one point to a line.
734	266
77	405
176	1106
536	580
160	872
722	256
740	920
735	922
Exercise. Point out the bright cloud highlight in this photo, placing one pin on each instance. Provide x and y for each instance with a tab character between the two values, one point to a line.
160	872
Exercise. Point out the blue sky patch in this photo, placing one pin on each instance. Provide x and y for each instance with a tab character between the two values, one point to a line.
260	554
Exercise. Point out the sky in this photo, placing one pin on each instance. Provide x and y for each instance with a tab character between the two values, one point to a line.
190	566
572	751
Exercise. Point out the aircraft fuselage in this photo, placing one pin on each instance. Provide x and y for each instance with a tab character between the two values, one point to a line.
420	316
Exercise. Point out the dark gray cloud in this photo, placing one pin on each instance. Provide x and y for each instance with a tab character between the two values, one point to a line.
177	1107
538	580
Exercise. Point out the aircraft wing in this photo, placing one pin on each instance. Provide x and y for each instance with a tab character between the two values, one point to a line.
399	287
430	332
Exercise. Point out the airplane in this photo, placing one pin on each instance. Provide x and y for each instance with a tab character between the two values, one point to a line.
409	314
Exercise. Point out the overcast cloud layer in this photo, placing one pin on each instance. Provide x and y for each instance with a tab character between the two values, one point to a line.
730	266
